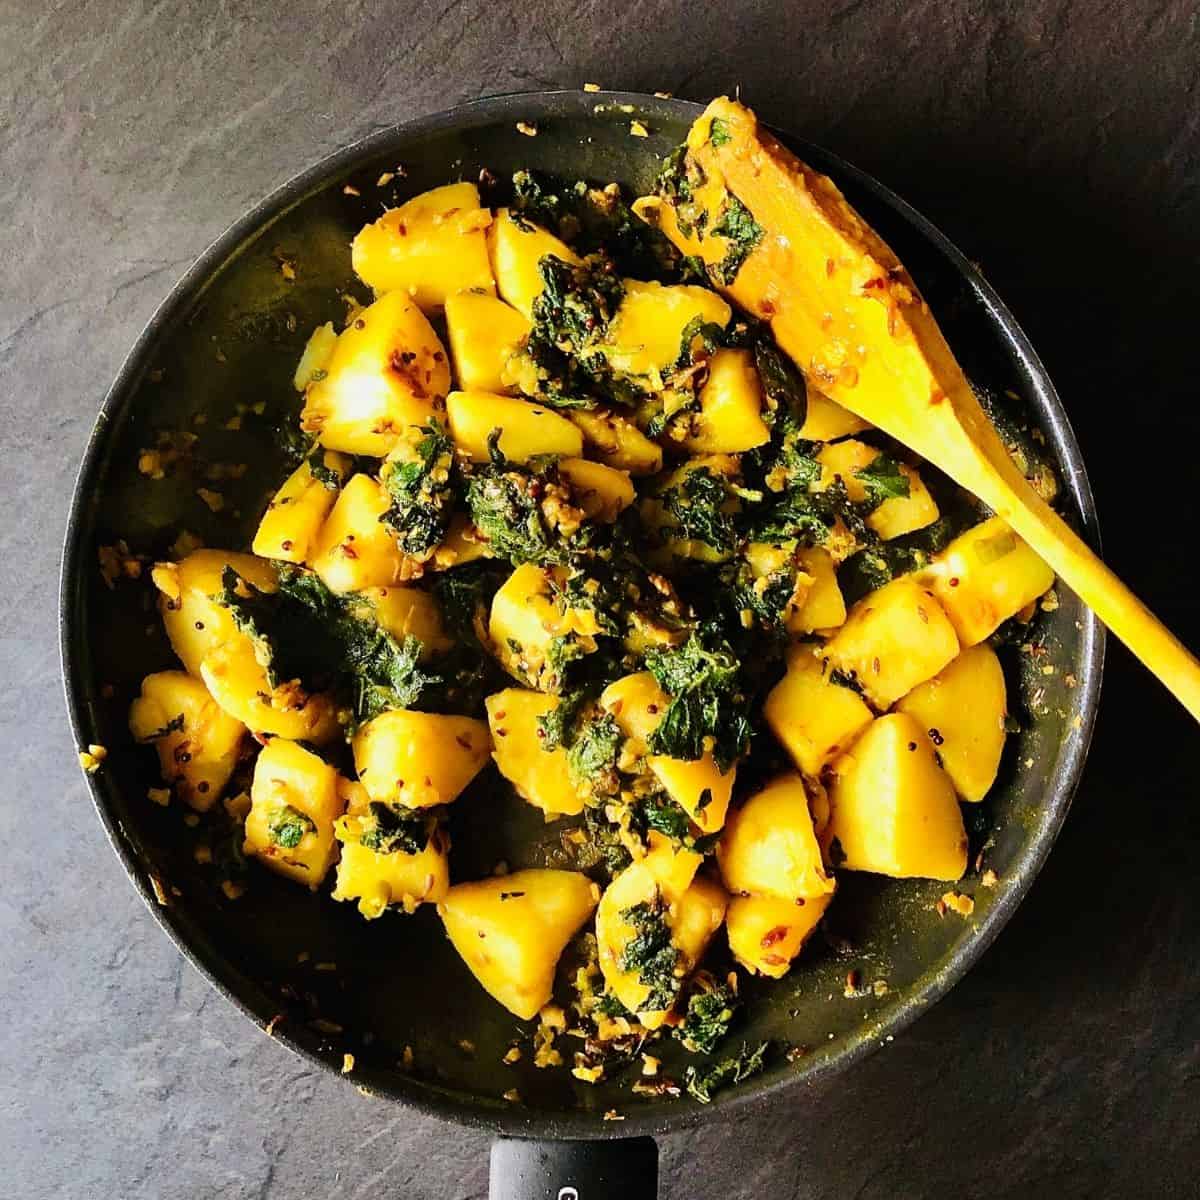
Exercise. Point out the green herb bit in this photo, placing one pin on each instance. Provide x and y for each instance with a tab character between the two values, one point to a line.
718	132
883	480
287	826
421	492
651	953
737	224
592	756
703	1084
709	1015
395	829
327	477
696	505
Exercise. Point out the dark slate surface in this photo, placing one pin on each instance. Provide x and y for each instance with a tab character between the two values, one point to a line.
1059	145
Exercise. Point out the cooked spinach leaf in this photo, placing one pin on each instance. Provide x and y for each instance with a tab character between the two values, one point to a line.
287	826
718	132
651	953
883	480
696	504
421	492
707	1020
395	829
704	1082
737	224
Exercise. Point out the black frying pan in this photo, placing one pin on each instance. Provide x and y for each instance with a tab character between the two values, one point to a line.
228	336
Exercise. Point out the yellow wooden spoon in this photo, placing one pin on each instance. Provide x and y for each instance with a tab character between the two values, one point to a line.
843	307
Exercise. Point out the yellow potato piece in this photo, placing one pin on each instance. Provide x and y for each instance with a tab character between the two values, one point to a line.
198	743
429	248
897	515
387	371
539	776
812	716
511	930
292	523
355	549
194	621
637	704
894	811
516	248
602	492
419	759
985	576
617	441
825	420
318	350
526	429
766	934
893	639
962	709
824	607
294	801
769	847
404	612
730	417
484	334
378	879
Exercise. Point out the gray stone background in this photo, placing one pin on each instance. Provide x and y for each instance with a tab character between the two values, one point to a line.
1058	143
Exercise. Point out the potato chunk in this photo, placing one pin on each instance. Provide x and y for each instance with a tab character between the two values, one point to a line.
894	811
814	717
377	872
896	515
769	847
825	420
963	710
355	549
429	248
194	621
540	776
823	607
893	639
294	802
292	523
617	441
484	334
516	247
637	704
526	429
314	360
404	612
511	930
603	493
387	371
985	576
766	934
637	910
730	417
197	741
419	759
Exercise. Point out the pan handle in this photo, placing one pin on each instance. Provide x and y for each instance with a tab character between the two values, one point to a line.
621	1169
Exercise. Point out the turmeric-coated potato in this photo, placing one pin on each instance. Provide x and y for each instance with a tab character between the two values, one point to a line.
766	934
404	612
511	929
730	417
985	576
484	334
355	549
826	420
602	492
824	607
526	430
769	846
429	248
387	371
617	441
292	523
314	361
516	246
539	775
294	801
197	741
893	639
419	759
963	709
894	810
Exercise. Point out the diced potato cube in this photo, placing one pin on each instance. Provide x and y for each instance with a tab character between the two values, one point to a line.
672	864
429	248
826	420
823	607
637	703
516	247
963	711
814	717
766	934
314	361
526	430
644	340
771	564
897	515
539	775
238	682
294	802
730	417
769	847
194	621
405	612
603	493
387	371
894	811
379	877
985	576
692	917
355	549
893	639
484	334
419	759
511	930
292	523
532	631
197	741
617	441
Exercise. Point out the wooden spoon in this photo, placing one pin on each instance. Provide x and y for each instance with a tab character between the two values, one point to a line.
843	307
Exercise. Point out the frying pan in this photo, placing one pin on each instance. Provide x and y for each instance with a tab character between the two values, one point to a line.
215	362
